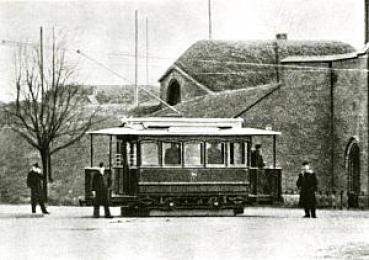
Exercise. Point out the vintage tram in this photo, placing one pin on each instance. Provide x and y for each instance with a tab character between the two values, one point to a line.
173	164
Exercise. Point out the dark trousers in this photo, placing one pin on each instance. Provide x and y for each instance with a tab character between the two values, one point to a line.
37	199
97	210
310	212
101	200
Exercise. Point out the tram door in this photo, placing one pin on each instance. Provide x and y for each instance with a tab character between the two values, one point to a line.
353	175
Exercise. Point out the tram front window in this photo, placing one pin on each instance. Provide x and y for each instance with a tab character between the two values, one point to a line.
149	154
193	154
215	153
172	153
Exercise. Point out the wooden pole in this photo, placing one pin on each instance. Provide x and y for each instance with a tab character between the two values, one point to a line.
41	64
210	21
366	21
110	151
332	130
46	167
53	65
147	51
274	151
136	60
92	151
276	53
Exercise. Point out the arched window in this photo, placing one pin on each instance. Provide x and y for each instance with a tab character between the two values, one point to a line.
353	167
173	93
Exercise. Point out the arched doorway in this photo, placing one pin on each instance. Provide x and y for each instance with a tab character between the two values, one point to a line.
353	173
173	93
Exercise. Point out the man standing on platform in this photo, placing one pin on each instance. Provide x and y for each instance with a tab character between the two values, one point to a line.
34	179
101	184
307	183
257	157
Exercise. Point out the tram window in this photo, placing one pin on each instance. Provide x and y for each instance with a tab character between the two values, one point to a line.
237	154
172	153
193	154
118	159
215	153
149	154
132	154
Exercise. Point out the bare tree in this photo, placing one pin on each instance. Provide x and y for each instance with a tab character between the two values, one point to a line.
48	112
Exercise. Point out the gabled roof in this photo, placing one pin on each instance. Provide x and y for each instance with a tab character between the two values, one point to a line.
230	65
224	104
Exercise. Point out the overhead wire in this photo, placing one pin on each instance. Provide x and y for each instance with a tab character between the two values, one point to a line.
8	42
120	76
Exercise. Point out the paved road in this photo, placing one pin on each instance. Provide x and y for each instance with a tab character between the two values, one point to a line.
261	233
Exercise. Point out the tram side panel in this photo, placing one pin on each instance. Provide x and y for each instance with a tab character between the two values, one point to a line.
198	185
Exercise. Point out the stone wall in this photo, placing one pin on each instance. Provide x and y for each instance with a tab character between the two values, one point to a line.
351	118
300	109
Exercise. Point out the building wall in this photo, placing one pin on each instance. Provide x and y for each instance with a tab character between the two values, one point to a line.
300	109
351	118
189	89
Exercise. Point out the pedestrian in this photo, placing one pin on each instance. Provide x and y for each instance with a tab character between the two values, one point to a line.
307	183
257	157
34	179
101	184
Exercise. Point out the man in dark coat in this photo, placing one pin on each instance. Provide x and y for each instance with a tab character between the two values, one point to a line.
101	184
307	183
34	179
257	157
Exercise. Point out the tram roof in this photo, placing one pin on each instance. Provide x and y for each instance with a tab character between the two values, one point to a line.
184	126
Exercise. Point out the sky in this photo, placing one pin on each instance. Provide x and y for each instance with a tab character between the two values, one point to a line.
104	31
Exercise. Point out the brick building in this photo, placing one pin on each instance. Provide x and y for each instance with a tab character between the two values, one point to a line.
317	97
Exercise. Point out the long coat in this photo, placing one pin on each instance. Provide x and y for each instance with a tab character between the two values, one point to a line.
257	159
101	184
34	183
307	183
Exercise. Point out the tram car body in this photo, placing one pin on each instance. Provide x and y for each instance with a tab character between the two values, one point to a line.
184	163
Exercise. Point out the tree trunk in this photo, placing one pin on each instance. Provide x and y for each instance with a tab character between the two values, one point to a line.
44	158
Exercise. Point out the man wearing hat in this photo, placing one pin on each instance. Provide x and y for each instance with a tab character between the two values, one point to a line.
34	179
307	183
101	184
257	157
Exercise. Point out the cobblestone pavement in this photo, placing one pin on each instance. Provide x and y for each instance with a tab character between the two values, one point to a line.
261	233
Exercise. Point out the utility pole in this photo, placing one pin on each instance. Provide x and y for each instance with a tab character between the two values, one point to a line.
41	63
136	60
147	51
42	100
53	66
210	21
276	53
366	19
